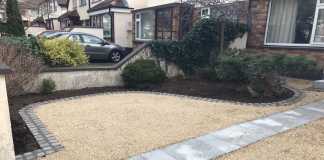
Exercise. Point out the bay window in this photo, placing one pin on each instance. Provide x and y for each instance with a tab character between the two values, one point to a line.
107	26
144	25
295	23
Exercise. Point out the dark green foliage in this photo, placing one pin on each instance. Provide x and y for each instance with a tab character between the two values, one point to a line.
229	68
199	46
297	67
3	28
48	86
27	42
143	74
14	22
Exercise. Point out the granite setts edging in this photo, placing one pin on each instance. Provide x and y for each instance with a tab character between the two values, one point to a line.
49	144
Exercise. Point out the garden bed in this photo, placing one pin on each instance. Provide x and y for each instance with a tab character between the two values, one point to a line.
25	142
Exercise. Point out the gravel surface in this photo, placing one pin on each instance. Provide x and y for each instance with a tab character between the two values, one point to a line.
118	126
305	143
121	125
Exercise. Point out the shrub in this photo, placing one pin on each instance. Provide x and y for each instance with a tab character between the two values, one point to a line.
143	74
48	86
200	46
63	52
255	72
229	68
14	22
24	64
297	67
28	42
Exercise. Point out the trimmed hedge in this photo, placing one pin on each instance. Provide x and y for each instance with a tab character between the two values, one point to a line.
27	42
143	74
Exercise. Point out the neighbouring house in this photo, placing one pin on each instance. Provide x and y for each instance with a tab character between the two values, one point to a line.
2	11
288	26
162	20
51	10
236	11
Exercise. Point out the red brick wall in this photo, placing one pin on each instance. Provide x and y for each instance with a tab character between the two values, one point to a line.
259	14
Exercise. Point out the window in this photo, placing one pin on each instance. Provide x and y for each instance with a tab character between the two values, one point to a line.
83	3
164	24
91	39
107	29
295	23
75	38
205	13
144	25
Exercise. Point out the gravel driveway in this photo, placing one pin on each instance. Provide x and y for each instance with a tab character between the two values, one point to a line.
118	126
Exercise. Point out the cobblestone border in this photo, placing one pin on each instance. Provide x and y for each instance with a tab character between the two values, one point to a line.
49	144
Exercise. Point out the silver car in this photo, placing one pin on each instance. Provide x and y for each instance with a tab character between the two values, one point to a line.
97	48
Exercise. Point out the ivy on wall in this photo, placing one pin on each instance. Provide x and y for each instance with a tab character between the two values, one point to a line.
201	44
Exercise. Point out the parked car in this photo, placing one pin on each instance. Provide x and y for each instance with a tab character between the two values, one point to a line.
46	34
97	48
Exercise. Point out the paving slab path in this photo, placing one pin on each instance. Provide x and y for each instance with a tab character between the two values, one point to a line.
224	141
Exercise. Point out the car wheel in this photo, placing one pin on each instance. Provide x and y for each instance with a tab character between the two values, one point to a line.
115	56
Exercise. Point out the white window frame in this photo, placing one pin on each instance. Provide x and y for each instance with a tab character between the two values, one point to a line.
138	19
310	44
208	12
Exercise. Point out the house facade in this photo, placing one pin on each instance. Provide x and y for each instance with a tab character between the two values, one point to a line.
2	11
288	26
51	10
162	20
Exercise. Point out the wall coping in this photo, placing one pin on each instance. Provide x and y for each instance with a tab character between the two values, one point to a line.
98	68
4	69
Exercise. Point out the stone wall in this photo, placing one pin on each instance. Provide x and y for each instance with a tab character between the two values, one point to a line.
79	78
6	142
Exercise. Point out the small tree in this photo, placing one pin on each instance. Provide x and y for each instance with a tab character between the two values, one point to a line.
14	22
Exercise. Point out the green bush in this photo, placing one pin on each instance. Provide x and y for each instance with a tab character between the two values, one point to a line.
200	46
230	68
63	52
27	42
297	67
48	86
143	74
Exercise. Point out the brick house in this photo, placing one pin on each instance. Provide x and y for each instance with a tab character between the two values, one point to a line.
294	27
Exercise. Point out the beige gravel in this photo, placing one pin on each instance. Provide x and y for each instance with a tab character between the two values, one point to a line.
305	143
117	126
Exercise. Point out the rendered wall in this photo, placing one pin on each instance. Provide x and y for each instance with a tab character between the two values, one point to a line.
123	29
35	30
93	31
6	142
110	77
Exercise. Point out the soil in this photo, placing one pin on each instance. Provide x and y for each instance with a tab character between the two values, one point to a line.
25	142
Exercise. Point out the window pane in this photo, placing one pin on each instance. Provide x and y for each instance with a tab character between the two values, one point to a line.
319	34
147	25
291	21
107	25
91	39
164	23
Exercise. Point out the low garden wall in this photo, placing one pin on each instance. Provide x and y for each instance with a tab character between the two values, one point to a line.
6	142
93	76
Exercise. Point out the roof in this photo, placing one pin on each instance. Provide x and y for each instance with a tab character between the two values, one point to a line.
159	7
109	4
69	14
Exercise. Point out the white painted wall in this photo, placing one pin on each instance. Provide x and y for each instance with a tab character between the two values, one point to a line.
240	42
35	30
6	142
123	29
93	31
151	3
72	80
137	4
83	9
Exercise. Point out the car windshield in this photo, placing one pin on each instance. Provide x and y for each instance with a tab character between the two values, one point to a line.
57	35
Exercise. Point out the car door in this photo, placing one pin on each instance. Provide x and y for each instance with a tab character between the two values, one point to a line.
94	47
